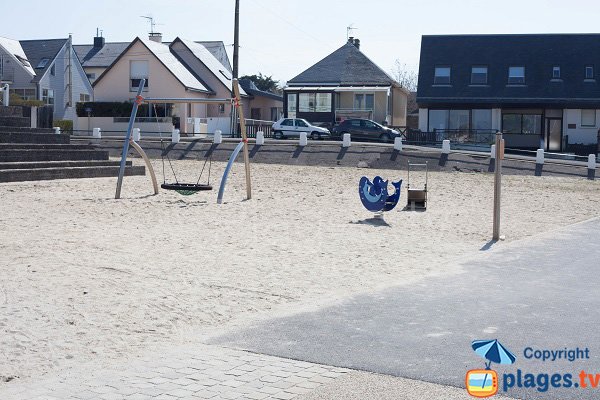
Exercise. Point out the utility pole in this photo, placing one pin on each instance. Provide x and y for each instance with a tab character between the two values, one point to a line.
70	76
236	39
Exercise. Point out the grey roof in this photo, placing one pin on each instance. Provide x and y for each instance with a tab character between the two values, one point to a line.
347	66
101	57
13	47
217	49
251	89
209	60
37	50
538	53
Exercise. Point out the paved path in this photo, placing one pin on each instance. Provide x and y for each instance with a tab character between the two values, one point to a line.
187	372
541	292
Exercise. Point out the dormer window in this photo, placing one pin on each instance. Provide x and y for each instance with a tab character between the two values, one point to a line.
589	72
23	61
43	62
442	76
479	75
516	75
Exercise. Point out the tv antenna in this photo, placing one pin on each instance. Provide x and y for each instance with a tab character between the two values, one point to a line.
152	23
349	30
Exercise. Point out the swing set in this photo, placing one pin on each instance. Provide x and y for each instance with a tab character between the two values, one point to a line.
185	189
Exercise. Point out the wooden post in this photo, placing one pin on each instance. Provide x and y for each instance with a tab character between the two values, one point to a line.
240	111
498	185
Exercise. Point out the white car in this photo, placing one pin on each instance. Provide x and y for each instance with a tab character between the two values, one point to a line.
291	127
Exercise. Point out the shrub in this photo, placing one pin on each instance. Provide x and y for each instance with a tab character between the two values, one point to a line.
65	125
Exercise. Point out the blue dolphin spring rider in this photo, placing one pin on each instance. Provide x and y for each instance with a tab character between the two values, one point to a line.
374	195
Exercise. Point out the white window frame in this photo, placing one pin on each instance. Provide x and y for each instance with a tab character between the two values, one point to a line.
590	121
512	75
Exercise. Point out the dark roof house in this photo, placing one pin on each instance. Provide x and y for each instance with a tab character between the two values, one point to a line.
541	90
345	84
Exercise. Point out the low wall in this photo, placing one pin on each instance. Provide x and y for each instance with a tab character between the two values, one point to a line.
107	125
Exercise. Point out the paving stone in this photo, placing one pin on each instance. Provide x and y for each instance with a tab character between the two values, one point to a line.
284	396
256	396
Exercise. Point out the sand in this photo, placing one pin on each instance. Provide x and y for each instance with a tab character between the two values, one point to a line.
89	278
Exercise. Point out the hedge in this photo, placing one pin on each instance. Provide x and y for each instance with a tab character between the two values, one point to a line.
113	109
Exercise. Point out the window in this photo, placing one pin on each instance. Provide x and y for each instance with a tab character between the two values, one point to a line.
458	120
479	75
481	120
291	102
91	76
255	113
287	122
516	75
274	113
315	102
589	72
369	125
221	108
522	123
25	94
442	76
556	72
138	70
438	119
43	62
48	96
364	101
301	123
588	118
53	70
83	97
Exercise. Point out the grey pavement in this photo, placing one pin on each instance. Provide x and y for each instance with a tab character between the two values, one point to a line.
185	372
541	292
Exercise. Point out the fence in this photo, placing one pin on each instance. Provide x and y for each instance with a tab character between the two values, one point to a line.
256	125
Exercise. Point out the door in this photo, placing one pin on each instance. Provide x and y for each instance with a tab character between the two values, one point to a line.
287	127
554	134
370	130
301	126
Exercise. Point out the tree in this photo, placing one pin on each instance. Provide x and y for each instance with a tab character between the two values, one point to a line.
264	83
406	76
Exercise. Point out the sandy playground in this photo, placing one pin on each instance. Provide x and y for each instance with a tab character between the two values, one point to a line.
89	278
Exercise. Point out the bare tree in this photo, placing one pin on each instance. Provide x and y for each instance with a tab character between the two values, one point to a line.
406	76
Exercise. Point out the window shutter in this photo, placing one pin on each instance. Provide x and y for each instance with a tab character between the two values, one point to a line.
139	69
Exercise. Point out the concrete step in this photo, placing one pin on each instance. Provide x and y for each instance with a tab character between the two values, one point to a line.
42	146
25	137
58	164
25	155
40	174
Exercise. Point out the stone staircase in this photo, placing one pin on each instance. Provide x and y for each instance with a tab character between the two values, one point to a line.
34	155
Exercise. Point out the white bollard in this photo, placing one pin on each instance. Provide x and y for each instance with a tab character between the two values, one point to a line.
57	130
592	161
218	137
260	138
398	143
303	139
346	140
175	136
493	151
97	133
137	134
539	157
446	146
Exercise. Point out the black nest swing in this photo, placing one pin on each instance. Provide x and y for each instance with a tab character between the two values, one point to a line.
185	189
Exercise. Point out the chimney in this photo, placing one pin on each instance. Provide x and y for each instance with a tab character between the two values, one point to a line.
155	37
357	43
98	40
351	40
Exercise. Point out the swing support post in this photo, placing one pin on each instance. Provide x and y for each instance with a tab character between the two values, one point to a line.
138	101
238	104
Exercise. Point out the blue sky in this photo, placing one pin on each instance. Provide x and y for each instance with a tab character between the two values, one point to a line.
282	37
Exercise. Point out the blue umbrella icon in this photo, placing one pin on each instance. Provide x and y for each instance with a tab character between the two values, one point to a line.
492	351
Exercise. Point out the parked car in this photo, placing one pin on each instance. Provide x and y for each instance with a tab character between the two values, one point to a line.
359	128
292	127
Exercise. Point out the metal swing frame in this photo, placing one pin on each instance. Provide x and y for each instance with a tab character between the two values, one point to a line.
128	141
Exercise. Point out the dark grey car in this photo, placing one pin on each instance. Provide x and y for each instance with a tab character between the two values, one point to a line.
364	129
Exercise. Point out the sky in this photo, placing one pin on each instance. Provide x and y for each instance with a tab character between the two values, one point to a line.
282	38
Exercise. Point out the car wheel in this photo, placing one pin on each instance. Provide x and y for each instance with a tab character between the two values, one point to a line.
315	136
278	135
385	137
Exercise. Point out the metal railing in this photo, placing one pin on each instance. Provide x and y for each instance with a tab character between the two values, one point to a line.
256	125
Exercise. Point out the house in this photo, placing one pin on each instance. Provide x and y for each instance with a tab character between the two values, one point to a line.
264	105
346	84
46	70
540	90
